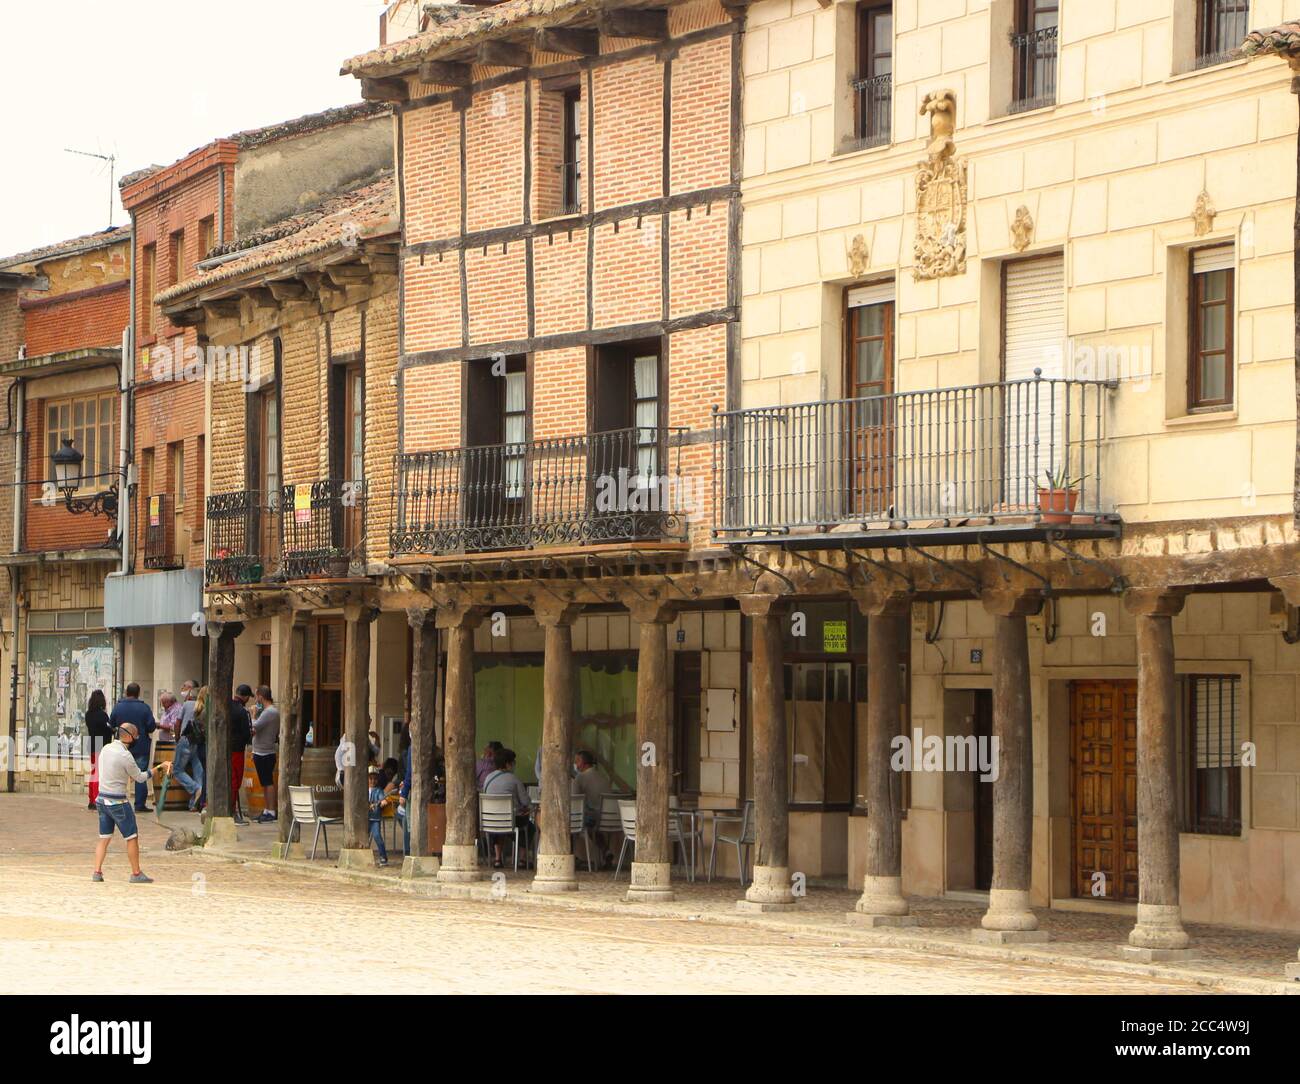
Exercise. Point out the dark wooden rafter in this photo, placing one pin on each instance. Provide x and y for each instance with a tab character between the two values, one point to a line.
504	54
648	24
445	73
348	274
384	90
288	290
568	42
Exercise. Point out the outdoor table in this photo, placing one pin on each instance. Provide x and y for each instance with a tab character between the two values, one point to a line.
700	816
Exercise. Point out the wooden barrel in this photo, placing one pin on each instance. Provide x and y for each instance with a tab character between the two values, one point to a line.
318	773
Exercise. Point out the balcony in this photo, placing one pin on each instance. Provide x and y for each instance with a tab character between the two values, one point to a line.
161	547
323	529
242	536
1020	456
1034	65
873	100
622	485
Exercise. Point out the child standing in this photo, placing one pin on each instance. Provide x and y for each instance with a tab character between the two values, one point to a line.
376	817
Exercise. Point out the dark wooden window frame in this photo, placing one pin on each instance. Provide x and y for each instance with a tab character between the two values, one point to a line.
1209	49
1196	820
1196	402
1025	88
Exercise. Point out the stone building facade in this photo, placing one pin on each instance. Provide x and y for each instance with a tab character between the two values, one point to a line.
60	361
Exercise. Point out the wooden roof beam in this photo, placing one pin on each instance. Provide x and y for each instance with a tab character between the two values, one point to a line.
650	24
504	54
445	73
384	90
568	42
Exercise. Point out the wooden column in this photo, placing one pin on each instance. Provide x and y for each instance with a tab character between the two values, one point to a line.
1009	917
288	697
1159	931
424	688
770	888
459	853
555	863
652	864
882	902
356	725
221	681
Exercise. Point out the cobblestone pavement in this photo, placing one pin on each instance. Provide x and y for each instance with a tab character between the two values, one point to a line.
246	927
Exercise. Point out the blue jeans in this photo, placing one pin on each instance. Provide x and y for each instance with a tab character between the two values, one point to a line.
119	815
142	789
187	757
400	814
377	838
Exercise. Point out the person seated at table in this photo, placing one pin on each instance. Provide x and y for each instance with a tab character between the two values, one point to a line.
502	780
591	783
486	764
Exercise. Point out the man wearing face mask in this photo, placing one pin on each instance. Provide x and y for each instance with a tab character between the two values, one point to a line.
117	771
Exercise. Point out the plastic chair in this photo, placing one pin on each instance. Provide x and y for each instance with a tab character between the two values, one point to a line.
497	817
578	824
627	822
743	840
302	803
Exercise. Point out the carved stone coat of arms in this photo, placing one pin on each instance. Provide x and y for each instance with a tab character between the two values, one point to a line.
940	247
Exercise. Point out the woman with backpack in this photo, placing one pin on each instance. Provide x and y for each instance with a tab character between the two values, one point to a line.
187	768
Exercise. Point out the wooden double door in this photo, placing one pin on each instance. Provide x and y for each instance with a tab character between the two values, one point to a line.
1103	724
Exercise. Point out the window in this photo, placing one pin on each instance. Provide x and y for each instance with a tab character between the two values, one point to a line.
1213	775
873	85
200	501
495	470
868	379
176	456
148	269
91	424
1209	366
175	258
1033	45
571	164
207	239
1220	27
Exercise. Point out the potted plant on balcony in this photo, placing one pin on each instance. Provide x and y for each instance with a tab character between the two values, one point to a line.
1058	496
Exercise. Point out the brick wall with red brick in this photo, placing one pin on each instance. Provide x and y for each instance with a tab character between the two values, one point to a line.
178	213
465	297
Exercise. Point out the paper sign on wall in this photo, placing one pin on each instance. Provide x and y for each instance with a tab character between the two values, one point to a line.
835	637
302	504
155	511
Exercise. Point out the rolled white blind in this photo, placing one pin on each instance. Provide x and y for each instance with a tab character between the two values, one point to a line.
873	293
1218	258
1035	318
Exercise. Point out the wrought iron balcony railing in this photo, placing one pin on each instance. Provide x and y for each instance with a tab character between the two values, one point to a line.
1027	451
242	537
323	528
162	549
622	485
874	101
1221	26
1034	66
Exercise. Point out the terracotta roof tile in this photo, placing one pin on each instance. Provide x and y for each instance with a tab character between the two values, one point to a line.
87	242
1273	41
368	211
468	27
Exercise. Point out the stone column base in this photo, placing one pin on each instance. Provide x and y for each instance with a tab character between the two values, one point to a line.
652	882
1159	927
285	851
459	869
1009	920
356	858
555	875
882	904
221	832
424	865
769	891
1292	972
1157	955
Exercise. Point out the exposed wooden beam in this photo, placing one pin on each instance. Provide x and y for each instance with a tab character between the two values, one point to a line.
569	42
384	90
504	54
287	290
445	73
186	317
348	274
382	263
650	24
224	308
260	296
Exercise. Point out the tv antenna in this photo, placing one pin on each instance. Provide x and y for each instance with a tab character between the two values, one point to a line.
111	159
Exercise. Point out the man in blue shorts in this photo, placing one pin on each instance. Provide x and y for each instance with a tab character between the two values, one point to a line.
117	770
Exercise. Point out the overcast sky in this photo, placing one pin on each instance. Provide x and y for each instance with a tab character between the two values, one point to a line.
149	81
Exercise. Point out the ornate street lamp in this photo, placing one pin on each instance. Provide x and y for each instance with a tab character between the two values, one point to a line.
67	478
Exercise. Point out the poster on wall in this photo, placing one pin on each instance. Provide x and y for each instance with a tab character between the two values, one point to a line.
62	671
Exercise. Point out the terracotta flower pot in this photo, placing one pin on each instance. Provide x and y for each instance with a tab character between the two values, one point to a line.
1057	505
